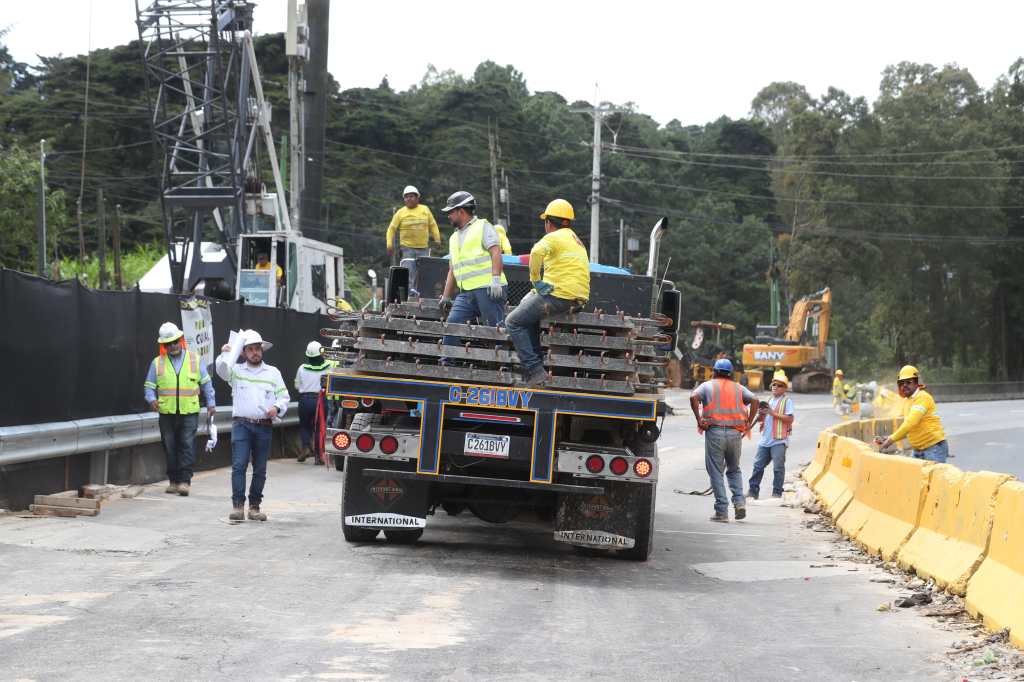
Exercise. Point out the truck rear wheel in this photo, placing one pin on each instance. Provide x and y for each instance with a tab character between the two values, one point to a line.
403	537
353	533
645	511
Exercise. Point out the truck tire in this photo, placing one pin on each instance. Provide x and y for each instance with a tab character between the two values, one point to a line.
403	537
645	528
353	533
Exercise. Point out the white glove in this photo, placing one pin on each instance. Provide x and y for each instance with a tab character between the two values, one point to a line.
211	442
496	291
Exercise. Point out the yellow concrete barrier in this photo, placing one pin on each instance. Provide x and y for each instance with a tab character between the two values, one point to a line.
822	455
950	540
886	504
835	487
996	590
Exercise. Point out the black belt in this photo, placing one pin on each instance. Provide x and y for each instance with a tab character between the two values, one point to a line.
314	394
257	422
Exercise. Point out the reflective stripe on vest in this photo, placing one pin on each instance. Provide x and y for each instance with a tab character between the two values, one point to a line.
726	407
471	264
780	431
178	392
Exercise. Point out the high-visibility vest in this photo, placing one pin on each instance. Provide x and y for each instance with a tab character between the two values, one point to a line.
471	264
780	431
726	407
177	392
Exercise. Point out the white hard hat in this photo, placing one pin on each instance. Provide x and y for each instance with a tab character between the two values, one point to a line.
409	189
169	332
251	336
313	349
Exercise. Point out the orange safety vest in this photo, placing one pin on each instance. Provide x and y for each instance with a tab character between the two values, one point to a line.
781	431
726	407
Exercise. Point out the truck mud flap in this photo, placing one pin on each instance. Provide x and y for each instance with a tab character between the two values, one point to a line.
615	520
383	502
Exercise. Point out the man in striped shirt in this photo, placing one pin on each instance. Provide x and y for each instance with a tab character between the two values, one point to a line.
776	425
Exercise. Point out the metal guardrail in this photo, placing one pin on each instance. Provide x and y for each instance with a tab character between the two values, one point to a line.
59	439
993	390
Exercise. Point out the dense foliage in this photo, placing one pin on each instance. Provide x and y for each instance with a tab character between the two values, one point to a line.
911	207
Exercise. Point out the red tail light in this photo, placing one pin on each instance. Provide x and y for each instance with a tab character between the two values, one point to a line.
618	466
595	464
365	442
367	402
342	440
389	445
643	468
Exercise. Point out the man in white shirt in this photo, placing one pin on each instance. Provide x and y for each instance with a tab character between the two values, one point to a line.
259	396
308	382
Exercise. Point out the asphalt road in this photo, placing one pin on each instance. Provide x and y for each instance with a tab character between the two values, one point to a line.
162	587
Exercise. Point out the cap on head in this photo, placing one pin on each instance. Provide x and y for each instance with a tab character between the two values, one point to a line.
908	372
460	199
409	189
558	208
723	365
313	349
169	332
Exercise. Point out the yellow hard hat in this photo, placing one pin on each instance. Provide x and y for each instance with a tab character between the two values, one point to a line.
908	372
559	208
839	372
780	377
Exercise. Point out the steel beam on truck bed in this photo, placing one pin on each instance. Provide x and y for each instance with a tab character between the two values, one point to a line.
436	349
435	328
418	370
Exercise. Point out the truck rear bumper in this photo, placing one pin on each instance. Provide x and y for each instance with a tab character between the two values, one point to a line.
488	482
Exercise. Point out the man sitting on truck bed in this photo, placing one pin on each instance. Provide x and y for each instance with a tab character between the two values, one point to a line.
566	282
475	268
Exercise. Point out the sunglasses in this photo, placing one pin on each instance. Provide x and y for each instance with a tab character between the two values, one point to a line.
778	385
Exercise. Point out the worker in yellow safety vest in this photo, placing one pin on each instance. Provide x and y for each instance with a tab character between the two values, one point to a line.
565	283
921	424
173	383
725	411
475	270
414	225
837	388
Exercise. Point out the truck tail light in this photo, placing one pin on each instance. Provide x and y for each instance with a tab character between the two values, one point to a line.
365	442
389	445
595	464
342	440
642	468
367	402
618	466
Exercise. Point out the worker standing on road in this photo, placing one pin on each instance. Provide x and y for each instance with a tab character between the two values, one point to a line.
724	421
414	224
776	425
175	378
309	382
475	269
837	389
259	396
921	424
565	283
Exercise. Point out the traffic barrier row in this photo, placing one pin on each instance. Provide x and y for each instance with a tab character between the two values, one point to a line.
965	531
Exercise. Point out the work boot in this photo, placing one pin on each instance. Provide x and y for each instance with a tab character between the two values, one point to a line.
720	518
255	514
741	513
183	489
303	454
752	495
171	489
536	377
237	514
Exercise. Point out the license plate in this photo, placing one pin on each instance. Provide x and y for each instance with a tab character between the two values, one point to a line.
481	445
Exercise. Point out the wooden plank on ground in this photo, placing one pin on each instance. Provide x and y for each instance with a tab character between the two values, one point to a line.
61	501
49	510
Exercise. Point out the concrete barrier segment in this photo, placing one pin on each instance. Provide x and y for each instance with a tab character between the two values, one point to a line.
956	520
822	455
996	590
886	504
836	486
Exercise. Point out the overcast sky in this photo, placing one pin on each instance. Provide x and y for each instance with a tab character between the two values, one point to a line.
689	61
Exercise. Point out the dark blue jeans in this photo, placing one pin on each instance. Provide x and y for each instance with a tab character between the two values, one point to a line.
249	441
722	448
524	327
936	453
776	454
475	304
307	417
178	435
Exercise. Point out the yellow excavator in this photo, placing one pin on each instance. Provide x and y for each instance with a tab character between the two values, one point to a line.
804	353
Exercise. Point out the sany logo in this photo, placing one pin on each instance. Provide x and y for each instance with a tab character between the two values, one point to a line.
772	355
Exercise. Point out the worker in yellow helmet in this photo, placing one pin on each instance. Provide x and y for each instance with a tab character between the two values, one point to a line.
837	388
921	425
565	282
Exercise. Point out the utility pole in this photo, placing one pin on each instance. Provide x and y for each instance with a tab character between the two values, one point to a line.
598	112
622	239
492	149
116	234
314	109
101	247
297	49
505	199
41	213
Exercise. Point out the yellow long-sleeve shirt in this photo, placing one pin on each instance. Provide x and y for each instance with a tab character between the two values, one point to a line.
565	263
921	424
415	226
506	245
